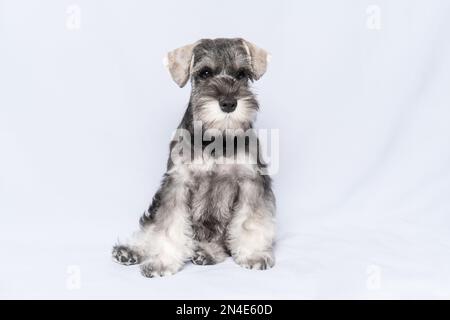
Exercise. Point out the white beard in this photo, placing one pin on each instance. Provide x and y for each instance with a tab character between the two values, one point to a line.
212	116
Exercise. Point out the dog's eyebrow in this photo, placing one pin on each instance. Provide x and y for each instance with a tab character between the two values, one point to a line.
242	61
203	62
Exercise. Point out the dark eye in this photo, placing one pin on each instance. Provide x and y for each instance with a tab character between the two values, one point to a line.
242	74
205	73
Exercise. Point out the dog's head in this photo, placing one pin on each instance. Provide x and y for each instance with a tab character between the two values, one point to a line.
220	71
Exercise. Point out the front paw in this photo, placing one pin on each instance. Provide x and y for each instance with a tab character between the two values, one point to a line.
151	270
259	262
202	258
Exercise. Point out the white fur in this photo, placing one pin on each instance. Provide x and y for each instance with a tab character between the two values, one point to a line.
251	232
165	61
226	189
168	244
212	116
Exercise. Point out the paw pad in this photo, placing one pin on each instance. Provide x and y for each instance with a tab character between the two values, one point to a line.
124	255
202	258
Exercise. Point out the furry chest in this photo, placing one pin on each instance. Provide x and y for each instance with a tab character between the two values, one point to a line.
213	191
212	198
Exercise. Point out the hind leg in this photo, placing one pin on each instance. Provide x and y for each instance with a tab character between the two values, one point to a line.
207	253
160	248
125	255
164	243
167	247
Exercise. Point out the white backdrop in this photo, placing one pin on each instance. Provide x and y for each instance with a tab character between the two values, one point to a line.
360	91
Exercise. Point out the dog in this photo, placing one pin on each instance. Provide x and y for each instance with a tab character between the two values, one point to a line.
208	208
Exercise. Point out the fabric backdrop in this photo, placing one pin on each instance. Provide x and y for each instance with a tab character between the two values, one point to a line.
360	93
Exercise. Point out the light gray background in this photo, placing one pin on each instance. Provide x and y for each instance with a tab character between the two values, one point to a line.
363	187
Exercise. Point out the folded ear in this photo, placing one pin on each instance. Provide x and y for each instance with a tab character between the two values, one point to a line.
178	62
259	58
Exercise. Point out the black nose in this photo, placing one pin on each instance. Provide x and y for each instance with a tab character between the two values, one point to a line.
228	104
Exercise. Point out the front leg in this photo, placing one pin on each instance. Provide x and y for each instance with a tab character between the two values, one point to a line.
251	231
165	240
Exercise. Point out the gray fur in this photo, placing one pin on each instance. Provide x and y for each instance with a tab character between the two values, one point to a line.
205	213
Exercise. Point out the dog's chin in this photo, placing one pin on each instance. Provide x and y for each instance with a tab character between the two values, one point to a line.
212	117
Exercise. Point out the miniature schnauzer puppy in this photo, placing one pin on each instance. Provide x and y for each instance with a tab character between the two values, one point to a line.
207	209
